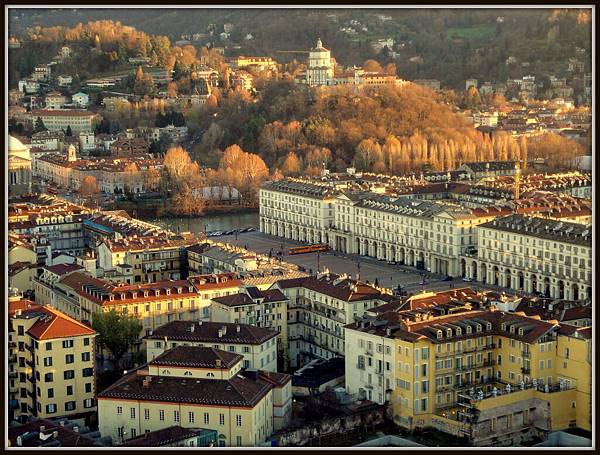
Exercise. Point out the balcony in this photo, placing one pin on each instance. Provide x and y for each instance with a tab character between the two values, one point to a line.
31	363
526	354
526	370
29	347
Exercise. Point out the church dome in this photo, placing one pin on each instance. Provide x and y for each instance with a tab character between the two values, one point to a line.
17	148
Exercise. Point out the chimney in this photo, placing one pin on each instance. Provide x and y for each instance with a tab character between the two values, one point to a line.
218	363
237	328
220	333
192	328
200	322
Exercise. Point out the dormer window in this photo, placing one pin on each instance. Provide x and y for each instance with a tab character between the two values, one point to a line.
145	293
179	290
135	295
478	327
521	331
157	293
122	296
168	292
191	289
439	334
503	327
459	331
489	326
111	297
512	329
449	333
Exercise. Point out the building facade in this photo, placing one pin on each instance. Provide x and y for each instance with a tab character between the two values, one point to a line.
191	387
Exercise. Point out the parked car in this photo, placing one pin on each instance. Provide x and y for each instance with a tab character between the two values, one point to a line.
216	234
448	278
467	279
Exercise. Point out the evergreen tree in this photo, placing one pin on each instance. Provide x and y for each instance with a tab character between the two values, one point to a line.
69	131
39	125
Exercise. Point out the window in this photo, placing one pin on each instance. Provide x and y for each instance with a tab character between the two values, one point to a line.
50	393
69	390
47	361
133	432
238	420
69	358
246	349
88	387
238	441
86	341
132	413
246	364
191	417
70	406
85	356
161	415
67	343
176	416
206	418
88	372
231	348
119	410
146	414
88	403
50	408
69	374
49	377
221	419
49	346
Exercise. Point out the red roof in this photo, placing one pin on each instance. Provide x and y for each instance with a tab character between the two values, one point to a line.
59	325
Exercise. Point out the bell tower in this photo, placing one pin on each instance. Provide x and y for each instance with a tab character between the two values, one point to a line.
71	153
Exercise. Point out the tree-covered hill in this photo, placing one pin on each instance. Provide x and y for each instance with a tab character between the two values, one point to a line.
447	44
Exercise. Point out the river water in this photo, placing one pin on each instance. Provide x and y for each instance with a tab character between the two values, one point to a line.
216	222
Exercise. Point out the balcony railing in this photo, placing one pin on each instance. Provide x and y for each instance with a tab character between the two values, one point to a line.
526	354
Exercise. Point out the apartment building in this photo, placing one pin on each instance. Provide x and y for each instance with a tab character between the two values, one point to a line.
152	258
257	345
51	362
262	308
319	307
494	377
424	234
61	119
192	387
534	255
80	295
255	63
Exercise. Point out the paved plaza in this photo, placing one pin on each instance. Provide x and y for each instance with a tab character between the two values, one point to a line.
387	275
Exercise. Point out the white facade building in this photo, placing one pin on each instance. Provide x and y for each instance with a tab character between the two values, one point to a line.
320	66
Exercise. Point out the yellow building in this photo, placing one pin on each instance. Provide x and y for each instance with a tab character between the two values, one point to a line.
252	306
152	258
51	362
257	345
196	387
80	295
494	377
